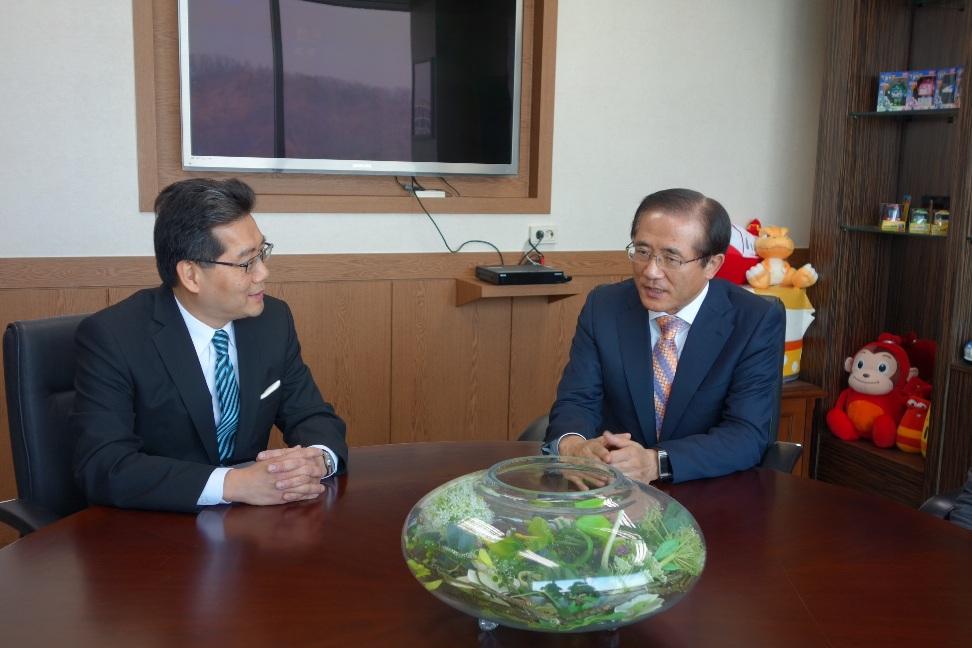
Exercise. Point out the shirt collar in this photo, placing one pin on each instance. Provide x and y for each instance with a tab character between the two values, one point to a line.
202	333
688	312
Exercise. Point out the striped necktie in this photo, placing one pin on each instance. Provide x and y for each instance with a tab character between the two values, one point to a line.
664	360
228	394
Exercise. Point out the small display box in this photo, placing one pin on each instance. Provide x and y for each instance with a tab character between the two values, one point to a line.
892	91
891	220
921	89
948	87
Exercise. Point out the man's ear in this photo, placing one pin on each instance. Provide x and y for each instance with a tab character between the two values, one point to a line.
715	262
189	275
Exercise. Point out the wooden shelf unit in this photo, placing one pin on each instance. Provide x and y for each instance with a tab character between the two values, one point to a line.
862	465
881	281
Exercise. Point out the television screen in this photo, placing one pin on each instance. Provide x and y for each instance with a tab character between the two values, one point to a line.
401	87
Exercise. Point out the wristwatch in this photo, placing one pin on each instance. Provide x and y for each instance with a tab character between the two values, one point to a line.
328	463
664	466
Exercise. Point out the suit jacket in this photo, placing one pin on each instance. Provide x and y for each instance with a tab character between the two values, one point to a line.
143	415
725	397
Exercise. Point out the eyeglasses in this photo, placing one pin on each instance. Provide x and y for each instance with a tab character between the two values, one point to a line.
262	256
666	261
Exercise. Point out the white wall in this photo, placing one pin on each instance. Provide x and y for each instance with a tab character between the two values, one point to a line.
716	95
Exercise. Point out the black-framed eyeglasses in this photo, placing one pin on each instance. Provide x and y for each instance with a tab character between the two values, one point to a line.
643	255
265	250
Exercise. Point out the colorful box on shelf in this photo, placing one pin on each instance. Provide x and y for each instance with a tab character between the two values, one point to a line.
921	89
928	89
891	218
892	91
918	221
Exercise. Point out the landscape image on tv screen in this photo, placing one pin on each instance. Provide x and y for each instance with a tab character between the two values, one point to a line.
393	86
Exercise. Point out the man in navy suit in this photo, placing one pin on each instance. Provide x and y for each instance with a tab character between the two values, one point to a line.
178	384
723	373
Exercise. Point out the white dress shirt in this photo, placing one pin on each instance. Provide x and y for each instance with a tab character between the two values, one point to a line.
202	341
687	314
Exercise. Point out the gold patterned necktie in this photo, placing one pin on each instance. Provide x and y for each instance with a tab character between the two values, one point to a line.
664	361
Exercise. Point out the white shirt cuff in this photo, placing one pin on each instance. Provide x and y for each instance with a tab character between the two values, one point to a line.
556	446
212	492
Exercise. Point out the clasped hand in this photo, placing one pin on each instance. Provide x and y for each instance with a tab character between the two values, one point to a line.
278	476
618	450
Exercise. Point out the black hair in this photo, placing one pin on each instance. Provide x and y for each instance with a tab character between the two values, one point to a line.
186	213
687	203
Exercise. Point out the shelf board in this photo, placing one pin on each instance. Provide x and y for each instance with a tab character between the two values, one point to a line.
802	389
863	466
469	290
962	367
876	229
948	114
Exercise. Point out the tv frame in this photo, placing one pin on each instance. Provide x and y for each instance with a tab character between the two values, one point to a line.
192	162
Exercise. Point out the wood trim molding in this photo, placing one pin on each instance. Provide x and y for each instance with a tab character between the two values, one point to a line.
73	272
155	32
69	272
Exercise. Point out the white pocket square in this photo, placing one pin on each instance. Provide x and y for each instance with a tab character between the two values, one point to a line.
269	390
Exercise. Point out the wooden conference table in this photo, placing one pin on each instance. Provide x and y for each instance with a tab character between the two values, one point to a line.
791	562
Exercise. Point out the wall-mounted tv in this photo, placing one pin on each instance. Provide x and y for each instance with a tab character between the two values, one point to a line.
403	87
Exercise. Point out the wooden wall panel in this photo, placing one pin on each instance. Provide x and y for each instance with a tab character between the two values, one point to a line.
345	336
121	293
25	305
450	365
541	335
381	334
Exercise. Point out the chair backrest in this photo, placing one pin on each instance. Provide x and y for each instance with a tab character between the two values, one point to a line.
39	367
536	430
782	456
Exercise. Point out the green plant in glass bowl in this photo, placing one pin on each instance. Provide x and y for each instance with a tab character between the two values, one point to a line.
553	544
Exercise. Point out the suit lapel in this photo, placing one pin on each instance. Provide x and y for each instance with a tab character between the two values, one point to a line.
709	332
635	345
248	357
179	356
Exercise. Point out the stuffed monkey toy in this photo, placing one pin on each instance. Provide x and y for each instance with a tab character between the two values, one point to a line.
874	400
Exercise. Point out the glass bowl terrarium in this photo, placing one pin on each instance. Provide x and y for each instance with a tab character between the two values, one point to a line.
523	544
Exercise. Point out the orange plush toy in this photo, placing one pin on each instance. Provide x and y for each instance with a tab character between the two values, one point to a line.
877	391
774	246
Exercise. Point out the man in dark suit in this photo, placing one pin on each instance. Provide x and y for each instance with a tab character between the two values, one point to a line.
673	374
177	384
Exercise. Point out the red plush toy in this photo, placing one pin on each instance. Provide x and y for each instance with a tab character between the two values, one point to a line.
877	392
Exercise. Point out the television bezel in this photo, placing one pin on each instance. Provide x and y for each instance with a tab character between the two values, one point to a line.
192	162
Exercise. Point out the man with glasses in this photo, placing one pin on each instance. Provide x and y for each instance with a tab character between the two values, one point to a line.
673	374
178	386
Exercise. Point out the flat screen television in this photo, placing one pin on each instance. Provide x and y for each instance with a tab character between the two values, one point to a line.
402	87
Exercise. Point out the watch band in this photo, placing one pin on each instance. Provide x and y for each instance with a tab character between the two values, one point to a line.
664	466
328	463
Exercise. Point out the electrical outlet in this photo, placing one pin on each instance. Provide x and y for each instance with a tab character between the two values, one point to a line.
543	235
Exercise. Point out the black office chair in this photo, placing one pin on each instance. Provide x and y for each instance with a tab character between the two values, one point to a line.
39	367
536	430
940	505
781	455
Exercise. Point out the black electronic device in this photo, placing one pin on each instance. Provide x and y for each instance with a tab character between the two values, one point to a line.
520	275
